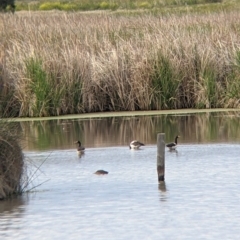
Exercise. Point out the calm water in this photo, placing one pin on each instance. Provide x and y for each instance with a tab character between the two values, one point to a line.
200	198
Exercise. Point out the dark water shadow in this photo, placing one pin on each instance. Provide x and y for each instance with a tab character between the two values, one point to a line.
13	205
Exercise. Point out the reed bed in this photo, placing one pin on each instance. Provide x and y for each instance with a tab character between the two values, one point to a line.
62	63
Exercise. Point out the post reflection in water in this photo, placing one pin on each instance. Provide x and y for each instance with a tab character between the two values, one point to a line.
162	190
120	131
173	151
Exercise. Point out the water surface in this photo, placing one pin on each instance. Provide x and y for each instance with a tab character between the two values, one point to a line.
119	131
199	200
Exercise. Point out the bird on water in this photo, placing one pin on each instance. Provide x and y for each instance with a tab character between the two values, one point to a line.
173	145
135	144
101	172
80	148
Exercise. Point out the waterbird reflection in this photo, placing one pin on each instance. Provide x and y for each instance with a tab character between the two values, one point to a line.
80	154
173	151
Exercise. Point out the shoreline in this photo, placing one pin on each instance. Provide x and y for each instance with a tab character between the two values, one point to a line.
125	114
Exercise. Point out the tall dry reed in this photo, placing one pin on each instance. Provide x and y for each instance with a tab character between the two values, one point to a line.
62	63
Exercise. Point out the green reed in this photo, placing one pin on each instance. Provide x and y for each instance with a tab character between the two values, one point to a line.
39	88
165	84
232	91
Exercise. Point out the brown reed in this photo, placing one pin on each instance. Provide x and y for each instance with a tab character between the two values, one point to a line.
62	63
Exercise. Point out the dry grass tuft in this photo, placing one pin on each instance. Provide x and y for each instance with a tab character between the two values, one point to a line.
11	164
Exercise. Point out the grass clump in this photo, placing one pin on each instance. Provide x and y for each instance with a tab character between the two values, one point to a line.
164	83
16	172
39	87
11	163
232	95
8	103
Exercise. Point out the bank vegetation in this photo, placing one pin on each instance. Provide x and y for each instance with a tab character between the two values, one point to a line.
56	63
115	5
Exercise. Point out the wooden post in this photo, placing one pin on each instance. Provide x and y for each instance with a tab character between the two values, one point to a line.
161	156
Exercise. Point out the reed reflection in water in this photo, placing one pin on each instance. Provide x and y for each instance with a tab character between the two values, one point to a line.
119	131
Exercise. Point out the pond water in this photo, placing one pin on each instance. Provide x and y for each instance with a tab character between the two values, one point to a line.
199	199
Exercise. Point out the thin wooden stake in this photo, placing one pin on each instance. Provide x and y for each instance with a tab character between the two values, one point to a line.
161	156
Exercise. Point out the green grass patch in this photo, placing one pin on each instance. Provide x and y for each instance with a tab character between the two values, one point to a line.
58	6
232	98
86	5
209	77
39	87
165	83
78	6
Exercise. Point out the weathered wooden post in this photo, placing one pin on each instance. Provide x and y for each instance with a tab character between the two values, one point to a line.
161	156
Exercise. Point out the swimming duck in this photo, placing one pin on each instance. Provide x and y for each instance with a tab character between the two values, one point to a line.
80	148
135	144
101	172
173	145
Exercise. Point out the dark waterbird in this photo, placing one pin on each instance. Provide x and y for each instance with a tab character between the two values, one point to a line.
101	172
80	148
173	145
